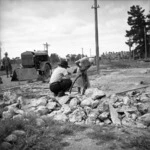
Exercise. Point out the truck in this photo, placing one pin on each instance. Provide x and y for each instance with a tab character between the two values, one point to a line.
34	64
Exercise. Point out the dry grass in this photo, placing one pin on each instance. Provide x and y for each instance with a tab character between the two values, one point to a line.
118	139
49	136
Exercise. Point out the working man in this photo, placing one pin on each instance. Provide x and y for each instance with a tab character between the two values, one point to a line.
60	81
83	81
7	65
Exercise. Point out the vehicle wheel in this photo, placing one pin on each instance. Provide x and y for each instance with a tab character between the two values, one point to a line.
47	71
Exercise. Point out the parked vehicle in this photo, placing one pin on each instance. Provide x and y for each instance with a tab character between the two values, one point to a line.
34	64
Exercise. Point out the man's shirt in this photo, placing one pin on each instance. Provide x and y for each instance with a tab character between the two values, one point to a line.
58	74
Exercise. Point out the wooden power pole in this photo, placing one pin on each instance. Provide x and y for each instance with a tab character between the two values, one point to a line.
46	46
82	53
96	34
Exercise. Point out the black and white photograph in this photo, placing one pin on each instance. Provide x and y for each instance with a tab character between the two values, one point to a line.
74	74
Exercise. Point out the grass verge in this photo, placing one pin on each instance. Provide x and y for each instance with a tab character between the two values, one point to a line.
121	139
49	136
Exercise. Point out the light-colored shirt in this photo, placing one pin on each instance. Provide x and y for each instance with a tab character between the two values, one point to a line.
58	74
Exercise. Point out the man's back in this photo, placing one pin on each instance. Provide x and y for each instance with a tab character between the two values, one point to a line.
6	61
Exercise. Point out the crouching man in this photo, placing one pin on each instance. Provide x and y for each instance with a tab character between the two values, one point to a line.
60	81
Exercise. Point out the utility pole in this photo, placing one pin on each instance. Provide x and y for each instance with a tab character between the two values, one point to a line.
0	53
130	45
145	42
82	52
96	34
90	52
46	46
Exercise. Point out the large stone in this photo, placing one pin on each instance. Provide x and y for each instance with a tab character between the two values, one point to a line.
128	109
19	132
89	121
97	121
92	117
11	138
7	114
80	123
103	116
39	102
51	105
87	102
63	100
18	117
40	122
143	108
94	93
114	115
53	113
2	104
45	117
145	119
66	109
94	104
73	103
144	98
117	104
6	146
128	122
12	107
18	111
10	96
21	101
103	106
42	110
61	117
87	110
77	116
126	100
134	116
107	121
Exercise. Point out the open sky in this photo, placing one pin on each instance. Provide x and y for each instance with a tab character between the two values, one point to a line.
67	25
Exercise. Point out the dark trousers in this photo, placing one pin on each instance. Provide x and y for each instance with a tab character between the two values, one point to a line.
62	86
8	69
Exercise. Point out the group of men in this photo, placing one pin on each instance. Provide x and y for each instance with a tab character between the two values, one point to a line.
60	80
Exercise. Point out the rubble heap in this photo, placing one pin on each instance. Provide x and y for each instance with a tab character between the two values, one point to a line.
131	109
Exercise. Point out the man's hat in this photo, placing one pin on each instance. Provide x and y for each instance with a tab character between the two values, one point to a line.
64	63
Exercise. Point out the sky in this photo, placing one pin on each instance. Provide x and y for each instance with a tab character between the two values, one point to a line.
66	25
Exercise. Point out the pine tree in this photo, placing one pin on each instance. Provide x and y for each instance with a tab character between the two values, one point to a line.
148	35
136	20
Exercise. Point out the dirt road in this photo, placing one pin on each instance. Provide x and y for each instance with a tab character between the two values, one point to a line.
110	81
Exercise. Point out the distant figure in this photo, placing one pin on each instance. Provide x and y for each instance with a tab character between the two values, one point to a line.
83	81
7	65
60	81
1	82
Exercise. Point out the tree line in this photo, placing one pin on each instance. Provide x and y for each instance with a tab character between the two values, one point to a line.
138	35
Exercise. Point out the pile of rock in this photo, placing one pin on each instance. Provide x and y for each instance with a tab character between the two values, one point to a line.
132	109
